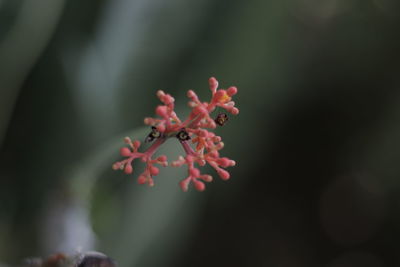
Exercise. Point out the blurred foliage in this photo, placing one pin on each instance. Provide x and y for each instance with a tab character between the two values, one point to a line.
317	181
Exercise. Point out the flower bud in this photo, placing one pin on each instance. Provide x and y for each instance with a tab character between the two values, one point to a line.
184	184
136	144
154	170
162	111
199	185
231	91
116	166
213	83
162	158
224	162
234	111
128	169
125	152
206	178
141	180
223	174
194	172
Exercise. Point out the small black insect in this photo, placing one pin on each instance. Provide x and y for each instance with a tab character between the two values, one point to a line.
154	134
221	119
182	135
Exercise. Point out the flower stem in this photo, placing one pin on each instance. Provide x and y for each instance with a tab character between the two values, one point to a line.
188	149
153	148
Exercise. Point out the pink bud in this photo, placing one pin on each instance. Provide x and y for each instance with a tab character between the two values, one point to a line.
176	163
231	91
141	180
148	120
217	139
136	144
224	162
191	94
162	158
162	111
223	174
213	125
214	154
200	110
220	145
194	172
154	170
184	184
213	84
167	99
160	93
128	169
202	133
199	185
125	152
116	166
189	158
234	111
207	178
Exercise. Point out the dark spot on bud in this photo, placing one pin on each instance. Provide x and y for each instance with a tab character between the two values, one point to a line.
182	135
154	134
221	119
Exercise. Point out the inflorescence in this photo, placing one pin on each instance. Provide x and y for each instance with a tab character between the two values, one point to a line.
206	144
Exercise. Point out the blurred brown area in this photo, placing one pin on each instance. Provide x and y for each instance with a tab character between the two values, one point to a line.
316	142
87	259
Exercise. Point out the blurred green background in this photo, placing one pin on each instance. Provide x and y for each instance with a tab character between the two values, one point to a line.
317	141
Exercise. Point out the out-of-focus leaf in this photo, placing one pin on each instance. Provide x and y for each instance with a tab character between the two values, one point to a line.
20	49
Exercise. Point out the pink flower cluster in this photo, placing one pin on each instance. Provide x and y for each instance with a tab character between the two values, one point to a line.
206	144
